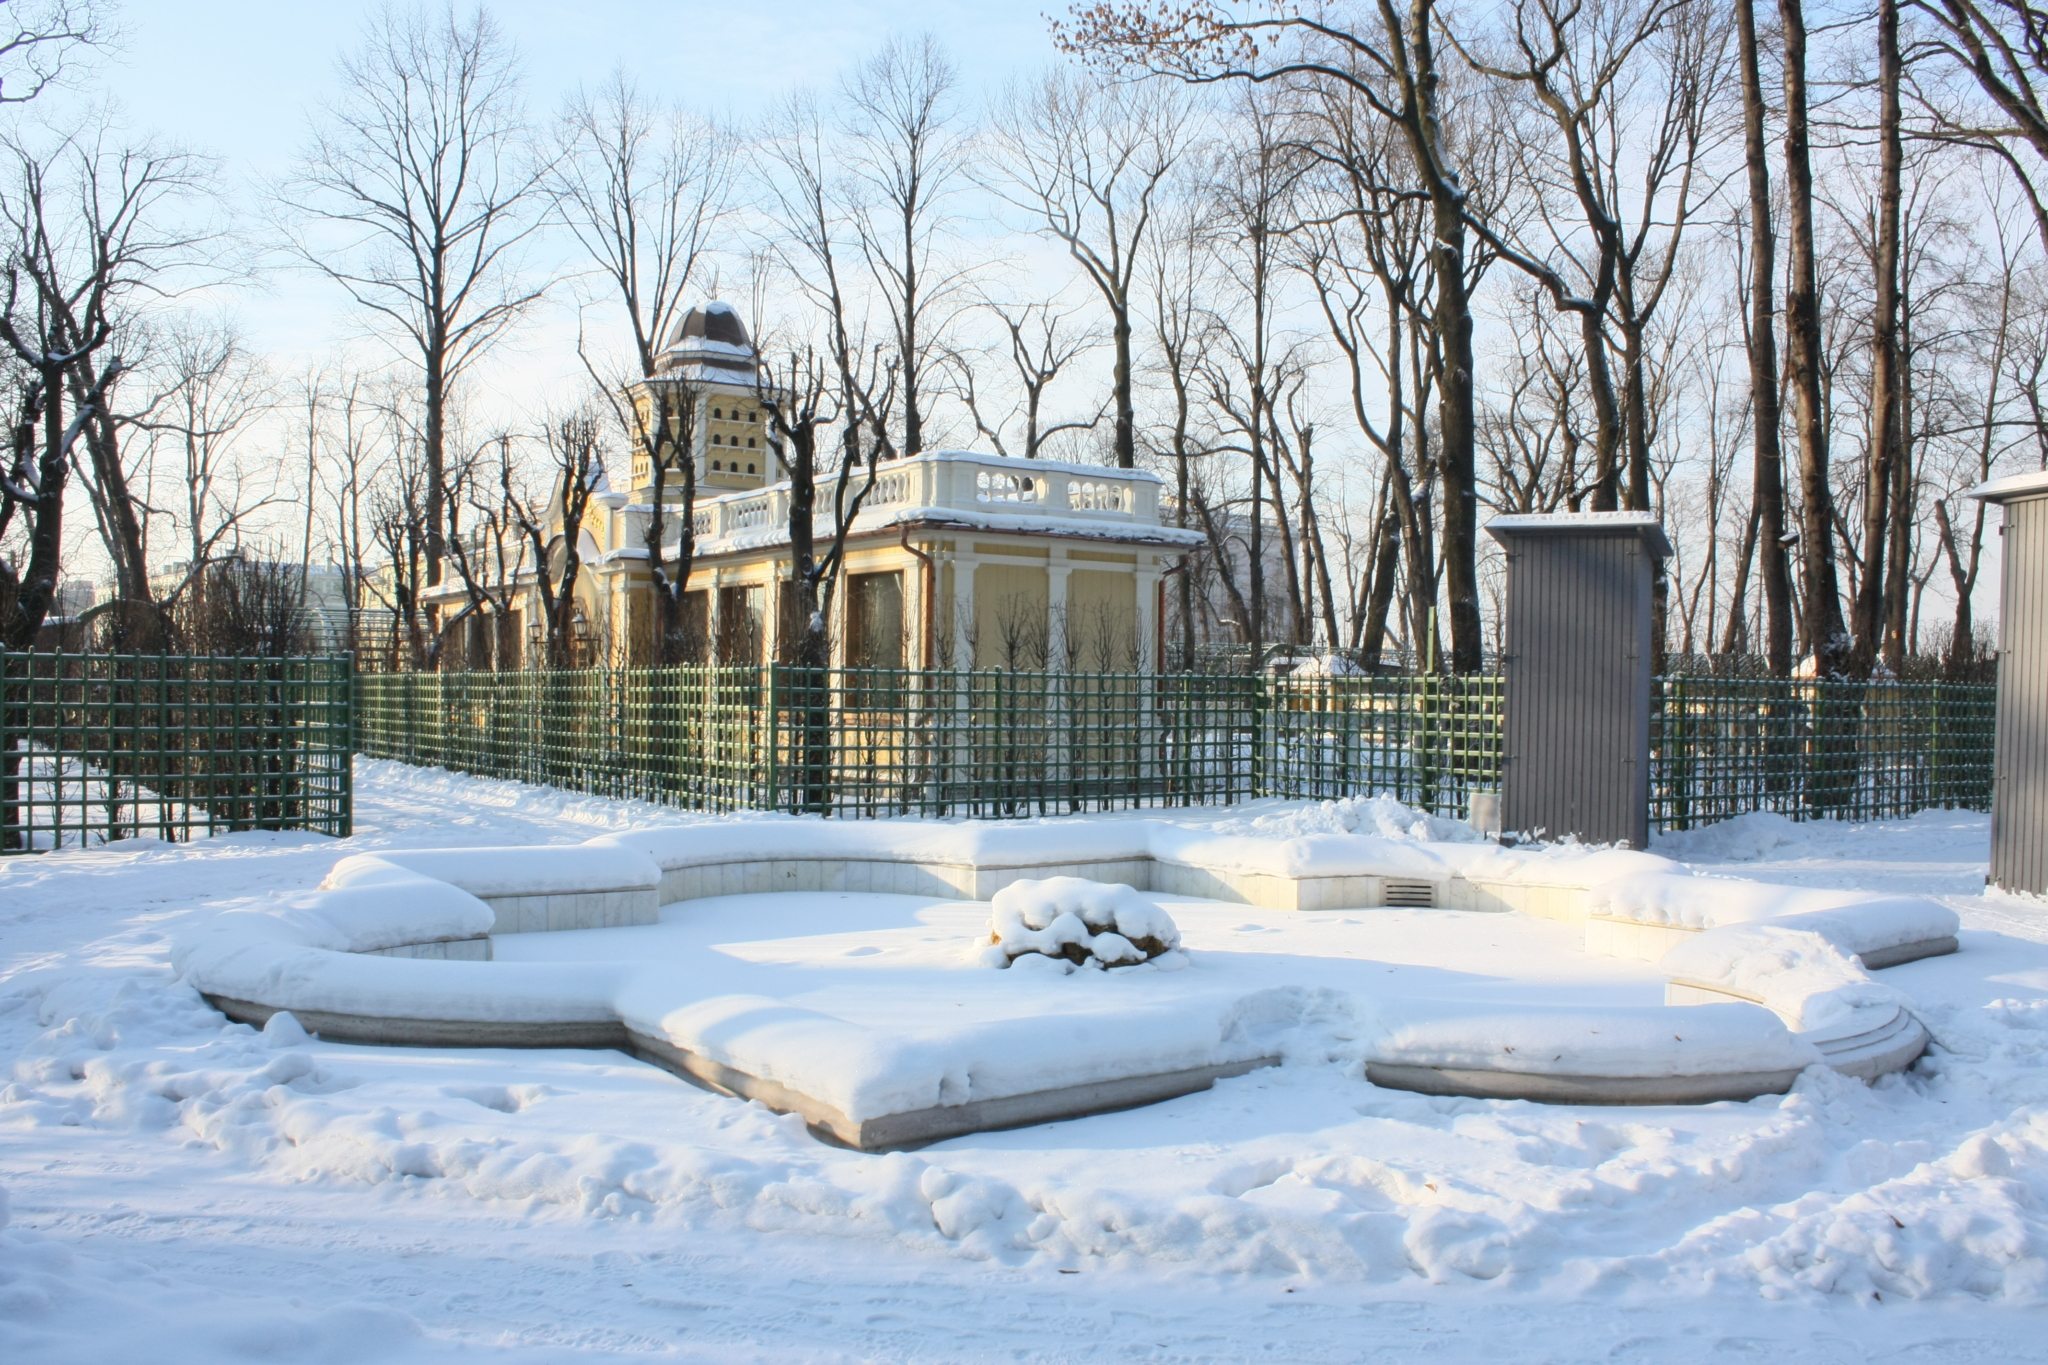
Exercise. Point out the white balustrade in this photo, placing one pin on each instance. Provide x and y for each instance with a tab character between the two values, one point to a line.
950	480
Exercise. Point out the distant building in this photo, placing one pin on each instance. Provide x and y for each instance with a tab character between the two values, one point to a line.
954	557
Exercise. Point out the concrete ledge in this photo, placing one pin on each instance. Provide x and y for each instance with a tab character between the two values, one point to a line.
438	950
1546	1089
390	1031
1880	958
395	907
566	910
920	1127
887	1132
1881	1051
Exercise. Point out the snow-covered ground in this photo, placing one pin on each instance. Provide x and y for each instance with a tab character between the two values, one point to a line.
183	1189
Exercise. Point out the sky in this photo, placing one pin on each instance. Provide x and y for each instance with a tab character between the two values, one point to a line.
243	81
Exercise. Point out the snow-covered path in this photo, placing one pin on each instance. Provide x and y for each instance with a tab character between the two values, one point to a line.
185	1190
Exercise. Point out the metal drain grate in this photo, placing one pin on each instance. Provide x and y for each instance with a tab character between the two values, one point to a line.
1409	895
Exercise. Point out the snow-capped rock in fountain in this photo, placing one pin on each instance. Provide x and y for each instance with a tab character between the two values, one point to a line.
1079	923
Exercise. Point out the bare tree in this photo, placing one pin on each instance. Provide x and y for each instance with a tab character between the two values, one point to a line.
40	38
574	470
1629	160
425	188
1389	65
2000	48
646	193
1180	316
1087	161
809	246
91	233
1887	472
209	391
348	427
1820	586
904	158
1767	465
1040	342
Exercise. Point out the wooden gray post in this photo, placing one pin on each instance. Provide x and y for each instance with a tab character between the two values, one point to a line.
1577	665
2019	784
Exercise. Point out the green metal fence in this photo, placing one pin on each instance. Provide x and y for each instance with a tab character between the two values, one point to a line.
992	743
941	741
99	747
96	747
1858	751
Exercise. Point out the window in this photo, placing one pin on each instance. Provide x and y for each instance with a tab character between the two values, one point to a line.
750	443
739	625
874	619
718	413
716	439
714	466
750	469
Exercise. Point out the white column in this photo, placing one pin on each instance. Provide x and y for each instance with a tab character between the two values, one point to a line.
1059	626
711	614
963	610
1148	617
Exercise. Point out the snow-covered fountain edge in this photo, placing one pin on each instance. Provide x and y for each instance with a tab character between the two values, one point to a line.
394	948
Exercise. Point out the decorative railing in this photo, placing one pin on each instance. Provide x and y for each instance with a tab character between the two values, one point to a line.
953	481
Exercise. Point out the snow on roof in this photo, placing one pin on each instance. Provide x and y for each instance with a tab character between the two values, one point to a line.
2012	486
1648	524
713	322
1541	521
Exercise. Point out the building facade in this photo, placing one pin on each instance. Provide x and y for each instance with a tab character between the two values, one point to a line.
952	557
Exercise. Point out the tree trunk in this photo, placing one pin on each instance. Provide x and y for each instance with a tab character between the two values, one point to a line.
1886	415
1820	585
1767	488
1126	408
437	492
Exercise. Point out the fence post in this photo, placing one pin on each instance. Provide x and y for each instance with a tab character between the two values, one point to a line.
770	767
347	813
13	834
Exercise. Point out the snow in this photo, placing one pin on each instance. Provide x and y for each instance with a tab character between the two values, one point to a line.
1639	1042
1073	920
520	871
1743	839
1566	521
2032	483
181	1189
1382	816
1802	975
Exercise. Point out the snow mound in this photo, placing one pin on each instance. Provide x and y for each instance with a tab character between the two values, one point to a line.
1380	816
1079	923
1742	839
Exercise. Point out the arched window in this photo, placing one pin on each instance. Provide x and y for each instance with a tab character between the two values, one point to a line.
716	439
750	443
718	413
750	469
714	466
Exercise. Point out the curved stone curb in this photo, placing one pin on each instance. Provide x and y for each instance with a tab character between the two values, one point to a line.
1487	1084
888	1132
421	912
